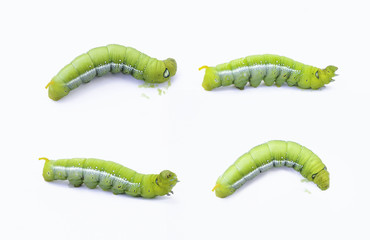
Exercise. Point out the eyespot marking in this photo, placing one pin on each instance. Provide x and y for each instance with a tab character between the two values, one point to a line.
166	73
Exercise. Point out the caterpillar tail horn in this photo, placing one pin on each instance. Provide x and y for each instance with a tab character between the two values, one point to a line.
203	67
44	158
217	185
48	84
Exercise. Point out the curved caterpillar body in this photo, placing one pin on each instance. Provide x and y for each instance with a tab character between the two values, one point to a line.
112	58
109	176
270	68
272	154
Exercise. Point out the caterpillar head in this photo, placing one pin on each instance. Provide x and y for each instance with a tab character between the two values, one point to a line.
171	68
211	78
57	89
317	77
165	181
160	71
324	76
321	179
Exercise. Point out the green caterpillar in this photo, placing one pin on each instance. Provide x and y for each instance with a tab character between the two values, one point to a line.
270	68
112	58
109	176
272	154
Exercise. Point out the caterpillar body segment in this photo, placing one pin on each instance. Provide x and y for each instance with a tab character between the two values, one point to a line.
273	69
112	58
109	176
274	153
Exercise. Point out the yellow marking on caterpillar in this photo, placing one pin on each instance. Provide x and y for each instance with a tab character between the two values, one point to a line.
48	84
202	67
217	185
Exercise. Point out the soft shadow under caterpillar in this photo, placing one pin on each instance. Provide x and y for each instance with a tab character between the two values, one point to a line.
112	58
109	176
270	68
272	154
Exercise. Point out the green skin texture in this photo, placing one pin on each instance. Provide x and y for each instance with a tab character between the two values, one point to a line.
313	168
308	77
147	185
149	69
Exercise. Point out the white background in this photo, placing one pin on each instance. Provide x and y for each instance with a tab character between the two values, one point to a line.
195	133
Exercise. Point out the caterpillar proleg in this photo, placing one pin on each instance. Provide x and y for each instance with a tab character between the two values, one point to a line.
109	176
112	58
274	153
270	68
